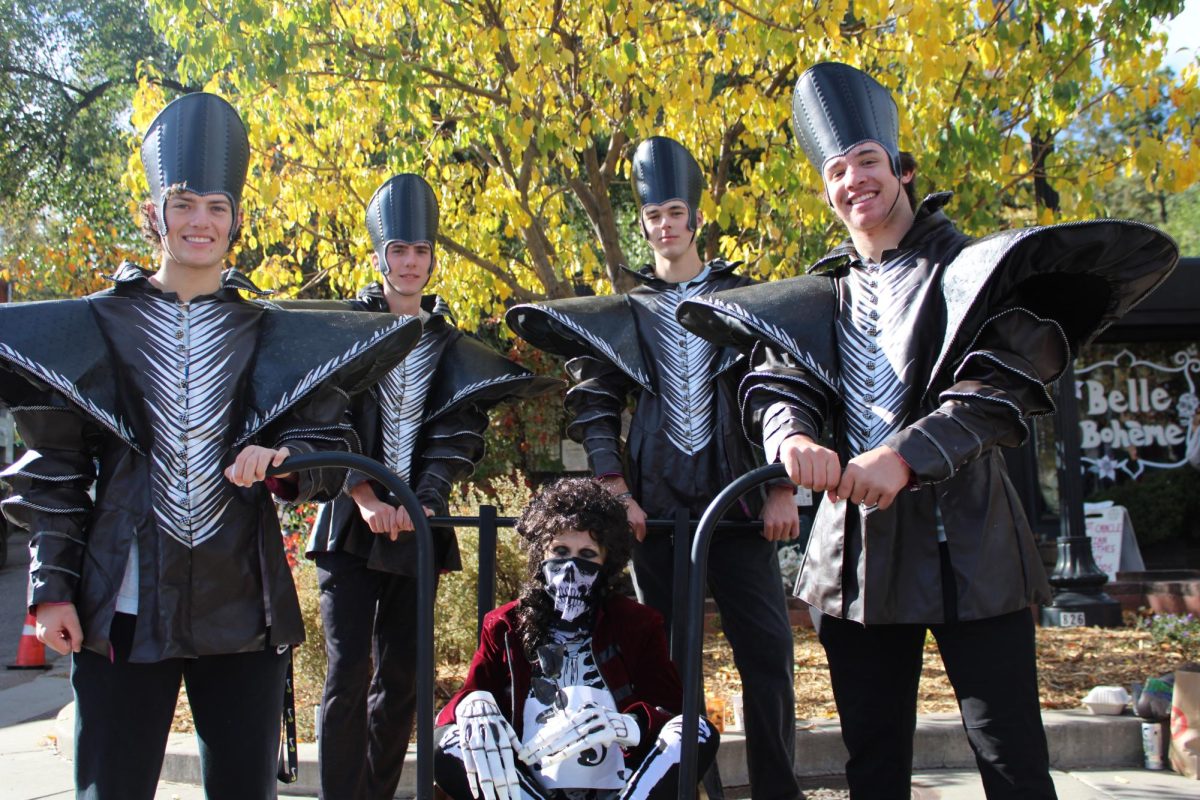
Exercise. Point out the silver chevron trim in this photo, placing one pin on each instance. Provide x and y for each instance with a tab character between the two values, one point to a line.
475	387
600	345
63	385
776	335
686	373
189	489
315	376
403	392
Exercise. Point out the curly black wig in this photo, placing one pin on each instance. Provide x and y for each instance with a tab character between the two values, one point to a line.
568	504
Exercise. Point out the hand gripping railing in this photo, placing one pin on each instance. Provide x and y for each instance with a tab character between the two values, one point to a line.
694	614
425	590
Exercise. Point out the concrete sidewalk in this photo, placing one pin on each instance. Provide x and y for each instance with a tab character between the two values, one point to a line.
1095	758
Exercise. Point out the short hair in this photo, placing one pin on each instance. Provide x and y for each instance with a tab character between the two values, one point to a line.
908	163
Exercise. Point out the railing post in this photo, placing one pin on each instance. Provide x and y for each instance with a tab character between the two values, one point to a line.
682	567
693	612
425	589
486	598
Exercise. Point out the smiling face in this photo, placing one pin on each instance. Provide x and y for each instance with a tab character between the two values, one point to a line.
865	194
666	228
409	267
571	543
198	229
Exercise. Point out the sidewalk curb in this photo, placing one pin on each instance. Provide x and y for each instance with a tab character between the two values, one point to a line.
1077	739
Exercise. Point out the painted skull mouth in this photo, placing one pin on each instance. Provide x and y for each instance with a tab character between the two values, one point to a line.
569	581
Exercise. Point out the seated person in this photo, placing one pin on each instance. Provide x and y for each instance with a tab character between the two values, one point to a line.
572	693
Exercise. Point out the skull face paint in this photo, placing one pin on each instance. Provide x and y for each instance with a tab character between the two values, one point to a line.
569	582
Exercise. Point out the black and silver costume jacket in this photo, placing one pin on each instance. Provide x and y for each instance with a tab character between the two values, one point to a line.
941	352
424	420
685	443
150	399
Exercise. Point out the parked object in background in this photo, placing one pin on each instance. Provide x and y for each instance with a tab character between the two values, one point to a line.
1107	700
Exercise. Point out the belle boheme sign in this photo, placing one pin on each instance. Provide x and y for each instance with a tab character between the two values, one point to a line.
1137	411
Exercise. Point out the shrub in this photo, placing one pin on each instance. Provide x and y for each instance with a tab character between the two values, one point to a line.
1175	631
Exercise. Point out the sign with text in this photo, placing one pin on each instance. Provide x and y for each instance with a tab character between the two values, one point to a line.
1114	547
1137	412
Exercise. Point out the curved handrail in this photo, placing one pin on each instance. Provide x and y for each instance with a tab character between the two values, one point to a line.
694	614
426	587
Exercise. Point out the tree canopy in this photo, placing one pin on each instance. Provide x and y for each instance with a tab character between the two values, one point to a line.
522	114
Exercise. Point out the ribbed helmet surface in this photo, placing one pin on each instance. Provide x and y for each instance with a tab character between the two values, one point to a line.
664	170
403	209
198	142
836	107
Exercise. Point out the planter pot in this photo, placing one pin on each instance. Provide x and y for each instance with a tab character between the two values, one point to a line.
1163	591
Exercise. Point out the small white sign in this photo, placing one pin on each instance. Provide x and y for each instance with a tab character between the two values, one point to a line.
1114	546
1071	619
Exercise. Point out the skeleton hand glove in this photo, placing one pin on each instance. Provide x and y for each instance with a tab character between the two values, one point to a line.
573	732
488	742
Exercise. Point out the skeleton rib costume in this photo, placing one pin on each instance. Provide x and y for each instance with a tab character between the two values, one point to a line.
424	420
622	656
941	352
684	445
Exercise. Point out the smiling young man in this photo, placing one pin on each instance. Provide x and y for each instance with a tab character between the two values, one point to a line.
425	420
158	392
684	443
925	352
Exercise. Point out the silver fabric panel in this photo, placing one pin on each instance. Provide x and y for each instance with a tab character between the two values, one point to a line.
685	373
402	394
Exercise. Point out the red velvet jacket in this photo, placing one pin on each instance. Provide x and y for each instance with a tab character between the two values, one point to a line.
630	646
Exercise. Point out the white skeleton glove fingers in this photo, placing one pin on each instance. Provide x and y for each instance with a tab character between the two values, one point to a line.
488	742
583	729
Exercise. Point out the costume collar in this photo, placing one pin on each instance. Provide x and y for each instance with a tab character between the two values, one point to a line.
716	268
928	216
130	276
438	309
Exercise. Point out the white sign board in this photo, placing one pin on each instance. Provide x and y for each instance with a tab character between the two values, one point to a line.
1113	544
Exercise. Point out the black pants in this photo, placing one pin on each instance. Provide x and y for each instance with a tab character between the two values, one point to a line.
743	576
367	712
992	665
123	715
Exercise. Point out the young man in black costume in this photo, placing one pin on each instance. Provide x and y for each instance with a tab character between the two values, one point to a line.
424	420
925	352
169	393
684	443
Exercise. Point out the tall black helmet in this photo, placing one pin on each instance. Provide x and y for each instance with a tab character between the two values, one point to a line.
663	170
836	107
403	209
198	143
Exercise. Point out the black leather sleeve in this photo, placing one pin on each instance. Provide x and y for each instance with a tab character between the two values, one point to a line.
451	446
319	423
595	401
1001	382
779	398
50	493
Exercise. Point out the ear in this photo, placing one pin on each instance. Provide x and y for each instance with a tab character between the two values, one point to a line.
699	219
151	212
374	259
908	175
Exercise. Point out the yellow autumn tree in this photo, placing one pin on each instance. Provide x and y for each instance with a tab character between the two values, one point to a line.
522	114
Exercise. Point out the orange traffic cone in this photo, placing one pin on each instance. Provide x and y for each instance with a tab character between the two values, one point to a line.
31	654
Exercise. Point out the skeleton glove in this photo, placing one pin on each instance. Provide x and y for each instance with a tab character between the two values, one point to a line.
572	732
488	742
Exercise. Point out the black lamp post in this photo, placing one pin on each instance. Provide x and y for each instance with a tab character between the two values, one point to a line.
1079	596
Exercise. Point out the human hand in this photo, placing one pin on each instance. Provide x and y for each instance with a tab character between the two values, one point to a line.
488	743
404	521
873	479
808	464
633	512
781	520
251	464
58	627
572	732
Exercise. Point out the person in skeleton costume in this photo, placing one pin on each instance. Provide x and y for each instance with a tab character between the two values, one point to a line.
170	393
571	694
684	444
424	420
925	351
